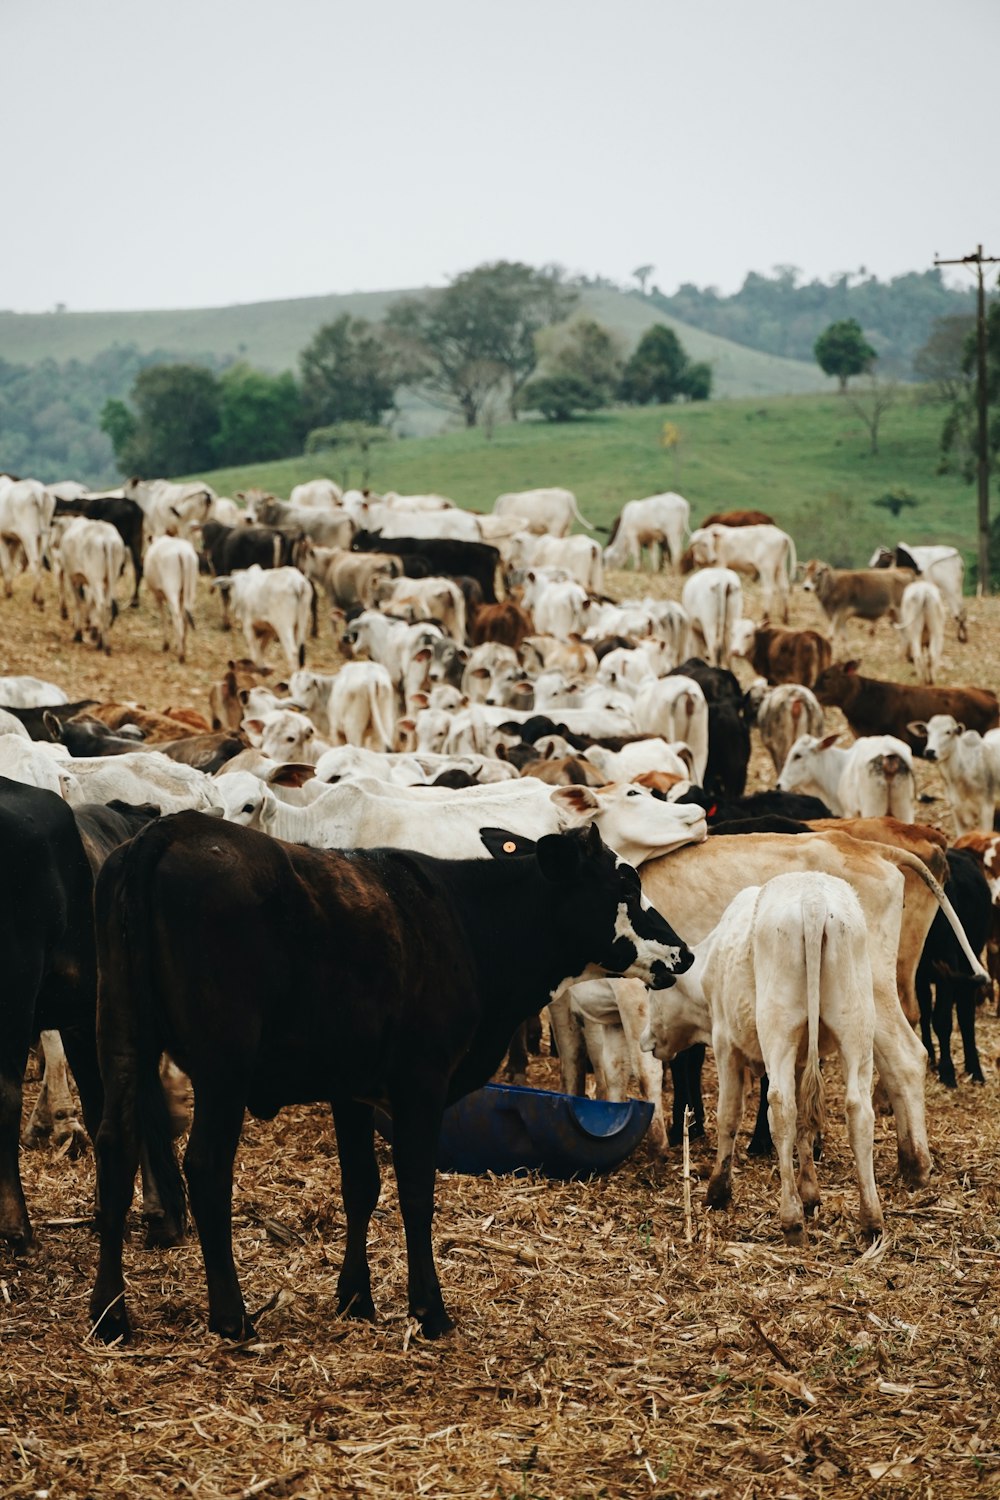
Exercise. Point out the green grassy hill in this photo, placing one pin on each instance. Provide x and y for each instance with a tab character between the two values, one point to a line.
271	335
803	459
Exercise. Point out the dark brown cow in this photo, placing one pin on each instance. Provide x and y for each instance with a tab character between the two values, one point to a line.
739	518
871	706
783	655
274	974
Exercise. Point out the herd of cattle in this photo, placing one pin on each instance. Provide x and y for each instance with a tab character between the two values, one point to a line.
376	879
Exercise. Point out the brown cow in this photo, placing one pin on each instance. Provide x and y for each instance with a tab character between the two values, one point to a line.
224	697
564	770
872	706
783	655
739	518
868	593
508	624
156	727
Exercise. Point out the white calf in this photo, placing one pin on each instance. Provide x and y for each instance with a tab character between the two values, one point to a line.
26	511
561	610
970	765
921	614
713	601
872	779
271	603
764	552
362	708
546	510
171	570
580	556
783	715
657	521
675	708
90	556
785	975
29	692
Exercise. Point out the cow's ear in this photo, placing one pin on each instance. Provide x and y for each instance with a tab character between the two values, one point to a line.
851	667
961	728
917	727
504	845
53	726
827	741
290	773
576	804
559	856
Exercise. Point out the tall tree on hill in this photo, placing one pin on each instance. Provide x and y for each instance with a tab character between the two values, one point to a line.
175	422
350	373
478	334
659	371
843	350
260	417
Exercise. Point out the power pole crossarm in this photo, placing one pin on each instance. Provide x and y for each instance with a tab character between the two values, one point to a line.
979	260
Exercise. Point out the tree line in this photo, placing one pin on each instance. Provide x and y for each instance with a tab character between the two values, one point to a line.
497	342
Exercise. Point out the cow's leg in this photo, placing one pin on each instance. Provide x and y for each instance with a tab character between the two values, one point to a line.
135	552
902	1065
942	1017
730	1069
685	1074
760	1143
516	1070
633	1008
416	1129
208	1167
15	1226
6	569
55	1110
360	1185
782	1114
861	1133
116	1151
569	1042
926	1005
965	1011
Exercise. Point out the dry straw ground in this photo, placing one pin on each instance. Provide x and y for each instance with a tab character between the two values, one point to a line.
599	1352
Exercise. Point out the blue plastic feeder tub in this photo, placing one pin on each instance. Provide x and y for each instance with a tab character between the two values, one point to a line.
502	1128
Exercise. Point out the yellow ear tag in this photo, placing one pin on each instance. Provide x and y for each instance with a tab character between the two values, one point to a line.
509	847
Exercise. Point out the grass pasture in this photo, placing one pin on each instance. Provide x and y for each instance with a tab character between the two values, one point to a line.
802	459
606	1345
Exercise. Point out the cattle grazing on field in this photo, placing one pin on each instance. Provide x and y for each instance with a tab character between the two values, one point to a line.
763	552
872	706
940	565
172	577
425	557
26	512
89	557
713	602
274	605
385	976
922	623
970	766
657	524
124	515
550	511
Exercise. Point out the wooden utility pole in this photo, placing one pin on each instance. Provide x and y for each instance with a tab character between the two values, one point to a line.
979	260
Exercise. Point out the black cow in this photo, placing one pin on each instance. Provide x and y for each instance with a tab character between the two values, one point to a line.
944	967
51	855
770	804
438	557
124	515
35	720
87	737
229	547
274	974
728	727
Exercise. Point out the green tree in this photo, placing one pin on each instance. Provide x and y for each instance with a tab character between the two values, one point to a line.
698	381
657	371
959	436
843	350
260	417
560	395
478	335
350	373
584	351
176	422
941	362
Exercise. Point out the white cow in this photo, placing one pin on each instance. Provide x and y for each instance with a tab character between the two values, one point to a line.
26	512
145	776
580	556
764	552
29	692
284	734
438	599
362	706
490	673
168	508
321	494
171	569
713	601
550	510
33	764
783	714
560	609
269	603
921	615
784	976
417	502
871	779
459	525
970	765
658	521
89	556
675	708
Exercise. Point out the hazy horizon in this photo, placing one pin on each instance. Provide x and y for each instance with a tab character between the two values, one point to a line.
173	158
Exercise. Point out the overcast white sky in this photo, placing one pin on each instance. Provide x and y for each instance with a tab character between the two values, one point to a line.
180	153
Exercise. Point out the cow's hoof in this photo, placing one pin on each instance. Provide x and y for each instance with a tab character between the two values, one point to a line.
162	1233
359	1305
237	1327
719	1194
948	1079
436	1324
795	1234
761	1147
111	1323
70	1139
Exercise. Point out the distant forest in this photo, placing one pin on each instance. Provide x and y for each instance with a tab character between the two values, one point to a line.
782	314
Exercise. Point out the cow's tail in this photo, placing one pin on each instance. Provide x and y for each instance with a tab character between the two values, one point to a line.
277	541
582	519
907	861
793	560
129	1044
375	695
812	1096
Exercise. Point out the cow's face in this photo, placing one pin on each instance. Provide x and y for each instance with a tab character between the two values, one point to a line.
943	733
603	910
